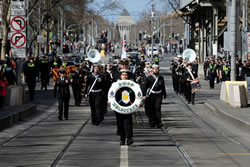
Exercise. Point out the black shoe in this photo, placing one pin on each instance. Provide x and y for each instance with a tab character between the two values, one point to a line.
122	143
60	118
66	118
130	141
159	125
151	126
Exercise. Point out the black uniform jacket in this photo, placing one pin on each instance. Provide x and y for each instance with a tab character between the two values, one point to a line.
159	86
99	85
62	87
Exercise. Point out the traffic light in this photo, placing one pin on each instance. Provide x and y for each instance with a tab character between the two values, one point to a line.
149	40
65	49
58	42
101	35
90	21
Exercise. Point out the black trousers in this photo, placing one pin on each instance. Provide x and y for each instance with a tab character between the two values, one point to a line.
190	95
32	86
176	83
212	79
125	126
155	101
1	101
147	107
44	80
96	106
77	94
63	106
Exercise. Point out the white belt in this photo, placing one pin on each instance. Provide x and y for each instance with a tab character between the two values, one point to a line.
95	91
156	92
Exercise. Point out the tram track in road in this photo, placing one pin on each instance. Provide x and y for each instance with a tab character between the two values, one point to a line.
212	127
68	144
180	148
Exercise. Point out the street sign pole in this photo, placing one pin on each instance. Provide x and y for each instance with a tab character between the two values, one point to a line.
18	33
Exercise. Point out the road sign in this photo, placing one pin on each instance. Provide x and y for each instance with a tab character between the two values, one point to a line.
18	52
18	39
18	8
18	23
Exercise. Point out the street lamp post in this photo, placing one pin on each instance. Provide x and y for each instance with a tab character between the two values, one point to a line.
152	37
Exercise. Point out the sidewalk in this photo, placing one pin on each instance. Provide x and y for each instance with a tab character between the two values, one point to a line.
14	114
238	117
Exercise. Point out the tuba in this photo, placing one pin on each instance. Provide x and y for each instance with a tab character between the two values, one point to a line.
189	55
94	56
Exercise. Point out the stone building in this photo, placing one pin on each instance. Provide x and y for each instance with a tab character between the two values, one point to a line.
124	24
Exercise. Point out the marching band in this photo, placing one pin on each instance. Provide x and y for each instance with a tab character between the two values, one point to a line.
93	81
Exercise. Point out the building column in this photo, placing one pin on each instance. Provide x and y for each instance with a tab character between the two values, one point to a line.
215	31
204	38
201	43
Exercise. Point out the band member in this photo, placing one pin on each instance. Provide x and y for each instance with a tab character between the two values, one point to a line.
45	70
30	72
189	76
77	83
94	89
108	81
61	86
124	121
156	91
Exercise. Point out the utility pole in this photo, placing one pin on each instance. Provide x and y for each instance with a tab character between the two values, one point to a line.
62	29
233	39
152	37
47	18
244	30
171	35
39	44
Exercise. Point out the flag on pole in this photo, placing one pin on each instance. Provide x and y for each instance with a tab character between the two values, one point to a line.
124	50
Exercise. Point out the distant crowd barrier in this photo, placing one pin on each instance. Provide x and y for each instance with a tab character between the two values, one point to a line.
15	95
235	93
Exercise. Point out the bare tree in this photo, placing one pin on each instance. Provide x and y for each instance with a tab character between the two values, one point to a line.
5	26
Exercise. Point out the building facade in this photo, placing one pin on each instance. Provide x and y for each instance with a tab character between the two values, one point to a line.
124	24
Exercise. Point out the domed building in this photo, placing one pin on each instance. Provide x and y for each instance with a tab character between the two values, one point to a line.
123	24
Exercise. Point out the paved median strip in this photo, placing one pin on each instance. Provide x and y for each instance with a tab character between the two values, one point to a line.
124	156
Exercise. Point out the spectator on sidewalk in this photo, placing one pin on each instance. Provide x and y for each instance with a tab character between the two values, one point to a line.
3	92
9	73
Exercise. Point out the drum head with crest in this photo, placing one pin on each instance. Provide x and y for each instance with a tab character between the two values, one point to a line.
125	96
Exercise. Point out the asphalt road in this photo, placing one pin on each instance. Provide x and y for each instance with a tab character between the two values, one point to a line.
192	136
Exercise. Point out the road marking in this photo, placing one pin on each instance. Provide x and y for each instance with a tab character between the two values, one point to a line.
239	154
124	156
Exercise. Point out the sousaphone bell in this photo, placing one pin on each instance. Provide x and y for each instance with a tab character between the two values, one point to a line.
94	56
189	55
